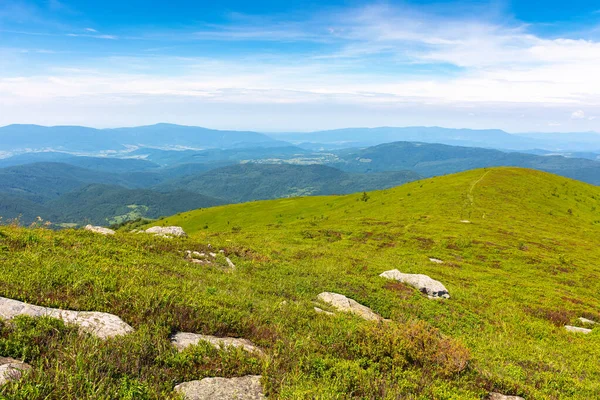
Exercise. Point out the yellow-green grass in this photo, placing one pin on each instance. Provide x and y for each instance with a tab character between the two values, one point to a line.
525	265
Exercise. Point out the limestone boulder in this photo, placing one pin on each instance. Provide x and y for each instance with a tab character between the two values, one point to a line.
102	325
99	229
183	340
11	370
432	288
343	303
243	388
173	231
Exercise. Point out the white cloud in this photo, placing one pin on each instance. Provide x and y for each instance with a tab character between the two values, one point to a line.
579	114
91	30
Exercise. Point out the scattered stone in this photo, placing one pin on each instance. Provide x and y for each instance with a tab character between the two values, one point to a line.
167	231
432	288
321	311
577	329
499	396
99	229
243	388
182	340
343	303
11	370
230	263
213	255
102	325
436	260
464	221
222	251
587	321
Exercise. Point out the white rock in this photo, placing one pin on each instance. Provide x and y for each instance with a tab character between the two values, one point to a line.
499	396
167	231
432	288
243	388
213	255
464	221
102	325
99	229
587	321
183	340
230	263
436	260
321	311
343	303
11	369
577	329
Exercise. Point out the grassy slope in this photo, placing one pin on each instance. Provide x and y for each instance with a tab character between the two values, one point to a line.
524	266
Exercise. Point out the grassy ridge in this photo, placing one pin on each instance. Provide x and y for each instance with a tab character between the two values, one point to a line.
525	266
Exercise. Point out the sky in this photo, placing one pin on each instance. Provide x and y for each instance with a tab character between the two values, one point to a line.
521	66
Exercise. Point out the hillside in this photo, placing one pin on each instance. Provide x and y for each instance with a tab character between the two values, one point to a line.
248	182
110	204
438	159
522	266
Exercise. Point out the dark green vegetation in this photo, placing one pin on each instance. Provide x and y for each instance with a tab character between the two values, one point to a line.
524	266
247	182
438	159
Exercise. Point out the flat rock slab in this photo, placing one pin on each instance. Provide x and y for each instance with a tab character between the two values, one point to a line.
183	340
343	303
102	325
432	288
167	231
436	260
99	229
321	311
577	329
587	321
499	396
243	388
11	370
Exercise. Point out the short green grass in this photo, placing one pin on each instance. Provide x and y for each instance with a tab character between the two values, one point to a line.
525	265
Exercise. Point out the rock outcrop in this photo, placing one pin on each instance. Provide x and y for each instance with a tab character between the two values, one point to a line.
499	396
102	325
432	288
243	388
183	340
343	303
11	370
168	231
587	321
99	229
577	329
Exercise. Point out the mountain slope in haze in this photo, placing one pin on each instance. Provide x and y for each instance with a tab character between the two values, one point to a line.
106	164
82	139
486	138
437	159
110	204
247	182
519	259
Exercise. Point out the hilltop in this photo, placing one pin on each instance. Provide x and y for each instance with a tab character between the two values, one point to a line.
518	256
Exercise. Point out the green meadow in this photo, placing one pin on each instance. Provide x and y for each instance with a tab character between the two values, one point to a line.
520	259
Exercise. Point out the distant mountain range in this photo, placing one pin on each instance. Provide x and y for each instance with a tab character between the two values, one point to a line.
15	139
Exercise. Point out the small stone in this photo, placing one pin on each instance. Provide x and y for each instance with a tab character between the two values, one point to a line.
230	263
183	340
499	396
243	388
464	221
436	260
11	370
99	229
343	303
321	311
587	321
432	288
577	329
213	255
167	231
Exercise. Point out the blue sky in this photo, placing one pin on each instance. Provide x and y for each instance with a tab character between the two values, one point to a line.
302	65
